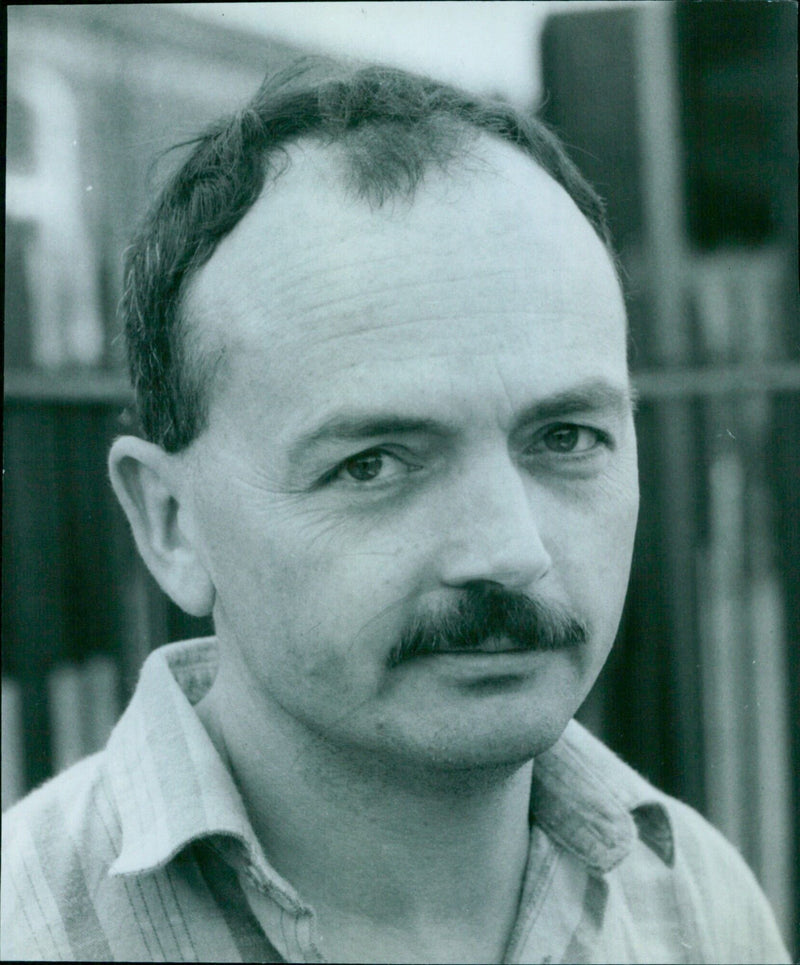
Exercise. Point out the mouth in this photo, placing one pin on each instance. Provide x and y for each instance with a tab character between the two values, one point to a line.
489	653
489	645
495	663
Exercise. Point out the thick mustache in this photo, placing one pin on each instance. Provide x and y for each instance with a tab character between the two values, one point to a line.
489	610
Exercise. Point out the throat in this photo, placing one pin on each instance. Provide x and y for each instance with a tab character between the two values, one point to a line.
424	884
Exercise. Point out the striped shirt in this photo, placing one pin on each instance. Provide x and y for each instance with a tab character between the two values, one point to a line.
144	852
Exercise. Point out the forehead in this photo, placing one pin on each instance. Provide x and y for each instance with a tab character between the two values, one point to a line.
491	258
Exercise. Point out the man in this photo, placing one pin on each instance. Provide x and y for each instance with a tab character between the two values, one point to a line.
379	349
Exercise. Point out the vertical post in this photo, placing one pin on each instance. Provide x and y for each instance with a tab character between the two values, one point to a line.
663	202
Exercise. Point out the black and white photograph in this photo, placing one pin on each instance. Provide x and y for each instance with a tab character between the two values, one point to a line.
401	482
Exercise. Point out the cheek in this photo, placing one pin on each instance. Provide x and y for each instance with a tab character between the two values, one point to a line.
612	560
329	603
592	541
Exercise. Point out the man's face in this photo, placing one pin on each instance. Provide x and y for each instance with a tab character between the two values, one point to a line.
413	401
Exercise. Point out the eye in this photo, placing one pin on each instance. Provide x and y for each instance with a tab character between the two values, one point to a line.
569	439
365	467
373	465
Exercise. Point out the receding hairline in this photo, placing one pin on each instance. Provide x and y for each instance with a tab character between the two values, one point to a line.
397	126
204	344
207	344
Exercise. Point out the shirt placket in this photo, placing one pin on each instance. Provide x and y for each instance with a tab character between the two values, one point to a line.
288	923
552	907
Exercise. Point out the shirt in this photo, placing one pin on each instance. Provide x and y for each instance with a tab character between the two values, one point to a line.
145	852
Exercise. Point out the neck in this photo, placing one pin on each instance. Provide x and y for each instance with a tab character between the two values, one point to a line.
421	855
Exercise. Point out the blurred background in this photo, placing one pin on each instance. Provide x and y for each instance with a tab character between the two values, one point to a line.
684	116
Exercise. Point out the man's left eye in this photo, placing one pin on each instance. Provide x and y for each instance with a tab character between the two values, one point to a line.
571	439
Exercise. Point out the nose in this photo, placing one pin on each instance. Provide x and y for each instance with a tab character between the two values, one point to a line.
493	532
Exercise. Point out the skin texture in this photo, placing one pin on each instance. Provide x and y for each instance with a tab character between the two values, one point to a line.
407	400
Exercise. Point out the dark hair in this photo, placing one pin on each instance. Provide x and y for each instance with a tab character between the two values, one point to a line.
391	125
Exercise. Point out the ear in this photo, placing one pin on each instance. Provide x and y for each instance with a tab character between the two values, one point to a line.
148	483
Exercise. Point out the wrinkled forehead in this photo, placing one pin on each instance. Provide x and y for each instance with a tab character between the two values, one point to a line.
311	263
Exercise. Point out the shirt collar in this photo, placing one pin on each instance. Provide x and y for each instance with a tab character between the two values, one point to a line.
595	806
171	786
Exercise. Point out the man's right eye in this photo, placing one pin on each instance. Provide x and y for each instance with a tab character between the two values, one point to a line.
377	466
364	467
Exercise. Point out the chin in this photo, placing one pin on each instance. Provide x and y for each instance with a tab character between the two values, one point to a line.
495	742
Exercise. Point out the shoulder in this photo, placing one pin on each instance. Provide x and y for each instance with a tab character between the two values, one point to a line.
682	870
57	846
719	892
72	810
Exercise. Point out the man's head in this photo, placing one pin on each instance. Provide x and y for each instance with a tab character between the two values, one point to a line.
399	461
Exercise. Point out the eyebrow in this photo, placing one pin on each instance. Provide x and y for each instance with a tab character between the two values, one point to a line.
592	396
346	427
